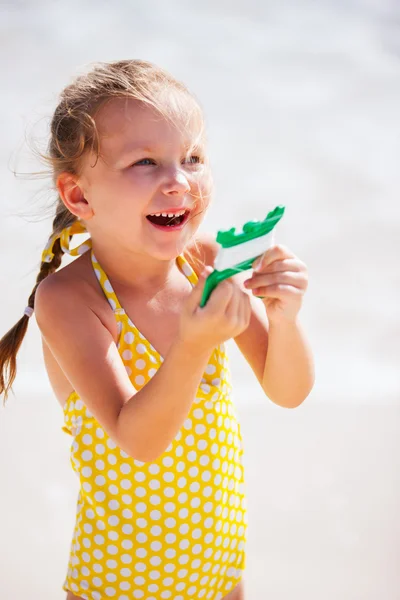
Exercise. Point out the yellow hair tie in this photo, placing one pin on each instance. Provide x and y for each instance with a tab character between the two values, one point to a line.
64	236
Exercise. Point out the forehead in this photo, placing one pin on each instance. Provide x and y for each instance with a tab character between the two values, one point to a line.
123	121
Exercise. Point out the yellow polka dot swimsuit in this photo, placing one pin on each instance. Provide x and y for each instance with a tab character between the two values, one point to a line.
173	528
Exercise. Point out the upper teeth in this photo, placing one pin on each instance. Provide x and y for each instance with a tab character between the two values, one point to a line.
178	214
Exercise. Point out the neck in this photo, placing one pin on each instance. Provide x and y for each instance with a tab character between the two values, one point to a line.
135	272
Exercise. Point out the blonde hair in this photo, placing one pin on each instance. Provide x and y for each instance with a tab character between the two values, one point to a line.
73	133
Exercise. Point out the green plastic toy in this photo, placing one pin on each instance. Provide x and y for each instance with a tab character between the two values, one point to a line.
239	250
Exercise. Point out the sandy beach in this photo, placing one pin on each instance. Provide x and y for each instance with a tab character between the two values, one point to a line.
302	108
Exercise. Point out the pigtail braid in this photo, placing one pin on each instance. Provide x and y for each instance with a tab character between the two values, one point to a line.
11	342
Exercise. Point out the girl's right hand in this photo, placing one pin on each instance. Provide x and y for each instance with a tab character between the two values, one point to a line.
226	314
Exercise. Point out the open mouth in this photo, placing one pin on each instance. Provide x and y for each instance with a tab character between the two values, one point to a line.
168	220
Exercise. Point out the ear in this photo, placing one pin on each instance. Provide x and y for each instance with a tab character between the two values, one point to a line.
71	193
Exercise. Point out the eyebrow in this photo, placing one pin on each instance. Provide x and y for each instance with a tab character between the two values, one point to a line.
136	148
144	149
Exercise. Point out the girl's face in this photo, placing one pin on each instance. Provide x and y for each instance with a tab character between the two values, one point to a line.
144	170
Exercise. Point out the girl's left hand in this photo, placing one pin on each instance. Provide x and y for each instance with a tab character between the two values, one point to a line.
281	279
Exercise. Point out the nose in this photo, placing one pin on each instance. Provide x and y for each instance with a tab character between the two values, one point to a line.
176	183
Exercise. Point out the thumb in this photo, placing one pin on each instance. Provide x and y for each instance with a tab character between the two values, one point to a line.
197	292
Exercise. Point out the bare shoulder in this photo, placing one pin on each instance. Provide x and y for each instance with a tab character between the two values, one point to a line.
73	285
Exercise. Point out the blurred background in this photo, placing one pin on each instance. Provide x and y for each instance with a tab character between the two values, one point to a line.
302	106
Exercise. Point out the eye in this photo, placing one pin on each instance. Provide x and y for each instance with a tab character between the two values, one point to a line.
143	162
194	159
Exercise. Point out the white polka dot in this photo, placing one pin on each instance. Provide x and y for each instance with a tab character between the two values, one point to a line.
139	380
127	355
126	559
129	337
99	539
107	286
210	369
87	455
140	363
126	572
187	269
170	523
156	546
125	468
140	348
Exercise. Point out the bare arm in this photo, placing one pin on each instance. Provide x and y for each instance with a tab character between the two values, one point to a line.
143	423
152	418
289	369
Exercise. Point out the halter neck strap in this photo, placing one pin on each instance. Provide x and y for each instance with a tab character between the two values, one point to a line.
65	236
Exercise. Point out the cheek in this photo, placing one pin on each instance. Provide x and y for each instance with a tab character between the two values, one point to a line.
202	191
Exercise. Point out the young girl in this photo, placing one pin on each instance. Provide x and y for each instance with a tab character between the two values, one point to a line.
138	367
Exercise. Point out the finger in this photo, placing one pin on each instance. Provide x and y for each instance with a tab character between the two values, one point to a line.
274	253
232	310
287	264
293	278
278	291
219	298
197	292
245	310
